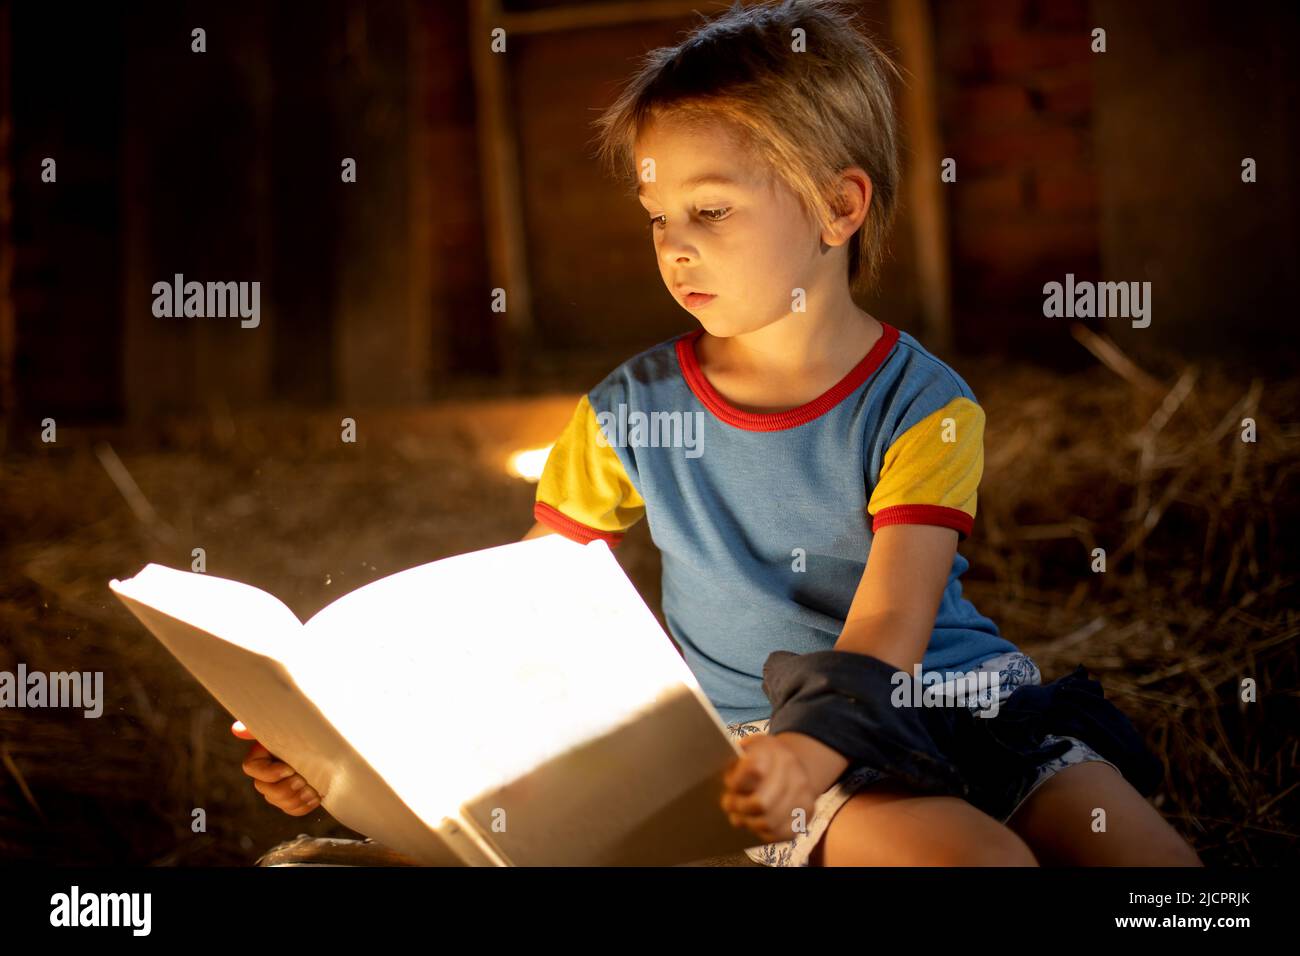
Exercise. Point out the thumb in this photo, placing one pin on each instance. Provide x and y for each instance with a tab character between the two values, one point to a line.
240	731
746	774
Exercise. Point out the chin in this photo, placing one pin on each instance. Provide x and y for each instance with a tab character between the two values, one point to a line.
717	327
722	329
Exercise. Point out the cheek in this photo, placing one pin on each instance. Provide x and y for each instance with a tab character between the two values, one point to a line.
773	260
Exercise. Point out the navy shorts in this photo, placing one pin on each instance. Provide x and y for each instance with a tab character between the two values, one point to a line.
1014	669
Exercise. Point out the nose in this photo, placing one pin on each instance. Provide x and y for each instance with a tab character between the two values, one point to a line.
673	250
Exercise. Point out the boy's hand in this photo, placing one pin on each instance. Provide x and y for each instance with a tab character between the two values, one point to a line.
767	786
280	784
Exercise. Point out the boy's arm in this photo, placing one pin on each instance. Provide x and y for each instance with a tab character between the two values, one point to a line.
893	611
891	617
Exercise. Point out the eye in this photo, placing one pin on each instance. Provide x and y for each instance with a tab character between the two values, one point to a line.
710	215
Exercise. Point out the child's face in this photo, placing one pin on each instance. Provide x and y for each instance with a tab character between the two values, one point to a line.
749	243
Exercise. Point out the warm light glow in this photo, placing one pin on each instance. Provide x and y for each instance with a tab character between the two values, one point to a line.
528	463
573	653
412	695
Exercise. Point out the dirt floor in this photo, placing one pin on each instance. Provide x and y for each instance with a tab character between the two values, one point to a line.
1199	591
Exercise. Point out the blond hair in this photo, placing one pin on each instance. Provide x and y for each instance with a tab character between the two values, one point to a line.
808	114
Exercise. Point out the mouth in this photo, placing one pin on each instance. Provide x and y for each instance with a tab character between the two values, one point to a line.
696	299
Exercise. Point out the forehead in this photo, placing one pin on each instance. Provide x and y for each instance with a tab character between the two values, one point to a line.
687	154
690	132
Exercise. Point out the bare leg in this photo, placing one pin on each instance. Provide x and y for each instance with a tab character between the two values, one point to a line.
1059	822
885	825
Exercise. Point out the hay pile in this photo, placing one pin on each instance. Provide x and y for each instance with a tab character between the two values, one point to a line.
276	500
1199	592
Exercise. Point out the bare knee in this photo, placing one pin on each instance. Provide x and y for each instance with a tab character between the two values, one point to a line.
989	848
1164	846
895	828
1058	822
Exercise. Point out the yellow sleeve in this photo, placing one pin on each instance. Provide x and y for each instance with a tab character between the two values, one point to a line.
584	492
931	472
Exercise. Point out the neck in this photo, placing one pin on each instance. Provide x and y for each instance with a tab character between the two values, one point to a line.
832	336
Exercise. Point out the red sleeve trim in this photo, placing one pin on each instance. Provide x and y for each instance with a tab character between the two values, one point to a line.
573	530
945	517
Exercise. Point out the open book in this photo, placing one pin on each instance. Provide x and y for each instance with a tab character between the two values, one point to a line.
516	706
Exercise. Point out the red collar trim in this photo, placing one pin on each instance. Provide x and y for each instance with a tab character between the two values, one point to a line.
776	421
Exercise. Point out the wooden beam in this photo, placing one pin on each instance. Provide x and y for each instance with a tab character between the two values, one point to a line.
499	147
502	197
913	32
8	318
422	212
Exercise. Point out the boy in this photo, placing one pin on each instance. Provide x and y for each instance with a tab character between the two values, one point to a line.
763	150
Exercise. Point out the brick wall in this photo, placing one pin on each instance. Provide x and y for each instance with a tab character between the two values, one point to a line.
1016	100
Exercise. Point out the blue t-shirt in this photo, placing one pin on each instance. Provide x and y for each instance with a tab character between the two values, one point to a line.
765	519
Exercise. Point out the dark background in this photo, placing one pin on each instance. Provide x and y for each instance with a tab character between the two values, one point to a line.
1123	165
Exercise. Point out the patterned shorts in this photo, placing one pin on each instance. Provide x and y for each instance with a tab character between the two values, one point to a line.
1013	669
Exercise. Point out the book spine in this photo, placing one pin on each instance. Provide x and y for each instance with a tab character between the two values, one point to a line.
463	837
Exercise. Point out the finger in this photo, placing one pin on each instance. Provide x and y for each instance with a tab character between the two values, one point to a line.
729	802
761	804
305	793
760	827
749	811
772	803
294	790
265	766
301	811
287	793
240	731
747	744
750	805
745	820
791	791
296	808
749	771
755	826
308	800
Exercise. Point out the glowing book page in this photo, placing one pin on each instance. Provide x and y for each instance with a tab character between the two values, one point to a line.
478	672
236	639
525	692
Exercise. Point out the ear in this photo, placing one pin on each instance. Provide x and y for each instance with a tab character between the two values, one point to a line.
850	206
